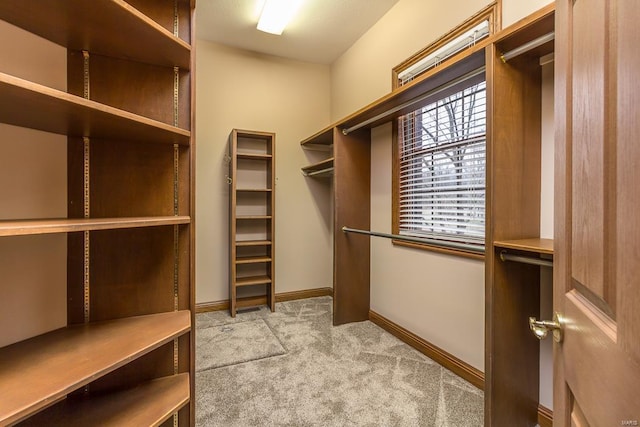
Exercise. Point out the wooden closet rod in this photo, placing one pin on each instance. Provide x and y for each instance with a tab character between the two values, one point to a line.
440	243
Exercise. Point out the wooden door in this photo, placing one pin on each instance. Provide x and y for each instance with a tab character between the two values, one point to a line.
597	241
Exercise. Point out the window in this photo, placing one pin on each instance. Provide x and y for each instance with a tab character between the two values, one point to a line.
478	27
440	148
441	158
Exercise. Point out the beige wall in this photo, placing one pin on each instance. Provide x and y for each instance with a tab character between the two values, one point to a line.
438	297
363	73
245	90
33	177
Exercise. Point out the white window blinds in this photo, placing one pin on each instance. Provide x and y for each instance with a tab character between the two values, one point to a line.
442	149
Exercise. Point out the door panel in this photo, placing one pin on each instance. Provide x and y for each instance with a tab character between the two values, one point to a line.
588	53
597	236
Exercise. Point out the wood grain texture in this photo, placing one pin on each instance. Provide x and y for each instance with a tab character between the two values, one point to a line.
41	370
513	206
148	404
537	245
120	287
34	106
588	189
163	14
143	89
352	192
131	179
628	175
64	225
562	203
605	373
90	26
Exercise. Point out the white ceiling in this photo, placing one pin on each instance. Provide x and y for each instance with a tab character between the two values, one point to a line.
320	32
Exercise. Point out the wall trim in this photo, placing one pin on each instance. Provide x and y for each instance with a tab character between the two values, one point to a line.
203	307
449	361
545	416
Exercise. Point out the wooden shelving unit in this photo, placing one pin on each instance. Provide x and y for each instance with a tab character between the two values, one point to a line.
78	354
512	205
126	354
64	225
252	215
128	407
535	245
512	353
349	165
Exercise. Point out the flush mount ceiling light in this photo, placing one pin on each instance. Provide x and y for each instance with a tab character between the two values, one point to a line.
276	14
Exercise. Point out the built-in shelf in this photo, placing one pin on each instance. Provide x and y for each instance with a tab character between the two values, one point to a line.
253	280
35	106
254	156
535	245
63	225
253	190
41	370
253	260
321	169
148	404
247	243
252	217
321	141
89	25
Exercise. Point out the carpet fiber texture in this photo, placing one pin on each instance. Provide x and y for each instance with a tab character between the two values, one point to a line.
293	368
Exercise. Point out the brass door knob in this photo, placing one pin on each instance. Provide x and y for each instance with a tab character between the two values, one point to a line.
541	328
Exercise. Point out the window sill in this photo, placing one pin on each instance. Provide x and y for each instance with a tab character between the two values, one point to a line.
437	249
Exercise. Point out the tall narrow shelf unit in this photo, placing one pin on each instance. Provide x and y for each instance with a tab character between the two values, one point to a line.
512	289
126	356
251	216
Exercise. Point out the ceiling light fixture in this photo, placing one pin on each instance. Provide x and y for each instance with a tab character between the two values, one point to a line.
276	14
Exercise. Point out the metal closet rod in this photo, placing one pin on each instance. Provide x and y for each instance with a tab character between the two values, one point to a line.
318	172
440	243
504	256
420	98
528	46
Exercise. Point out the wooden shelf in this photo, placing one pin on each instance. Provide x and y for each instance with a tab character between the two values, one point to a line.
254	156
321	169
106	27
253	217
253	260
254	190
247	243
321	141
44	369
51	226
254	280
148	404
35	106
535	245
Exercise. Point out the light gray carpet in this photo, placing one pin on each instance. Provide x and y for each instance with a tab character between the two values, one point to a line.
350	375
226	344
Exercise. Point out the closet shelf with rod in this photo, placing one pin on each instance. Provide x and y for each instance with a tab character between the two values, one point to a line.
321	169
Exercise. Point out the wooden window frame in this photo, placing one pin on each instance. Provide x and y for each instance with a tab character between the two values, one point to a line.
492	12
